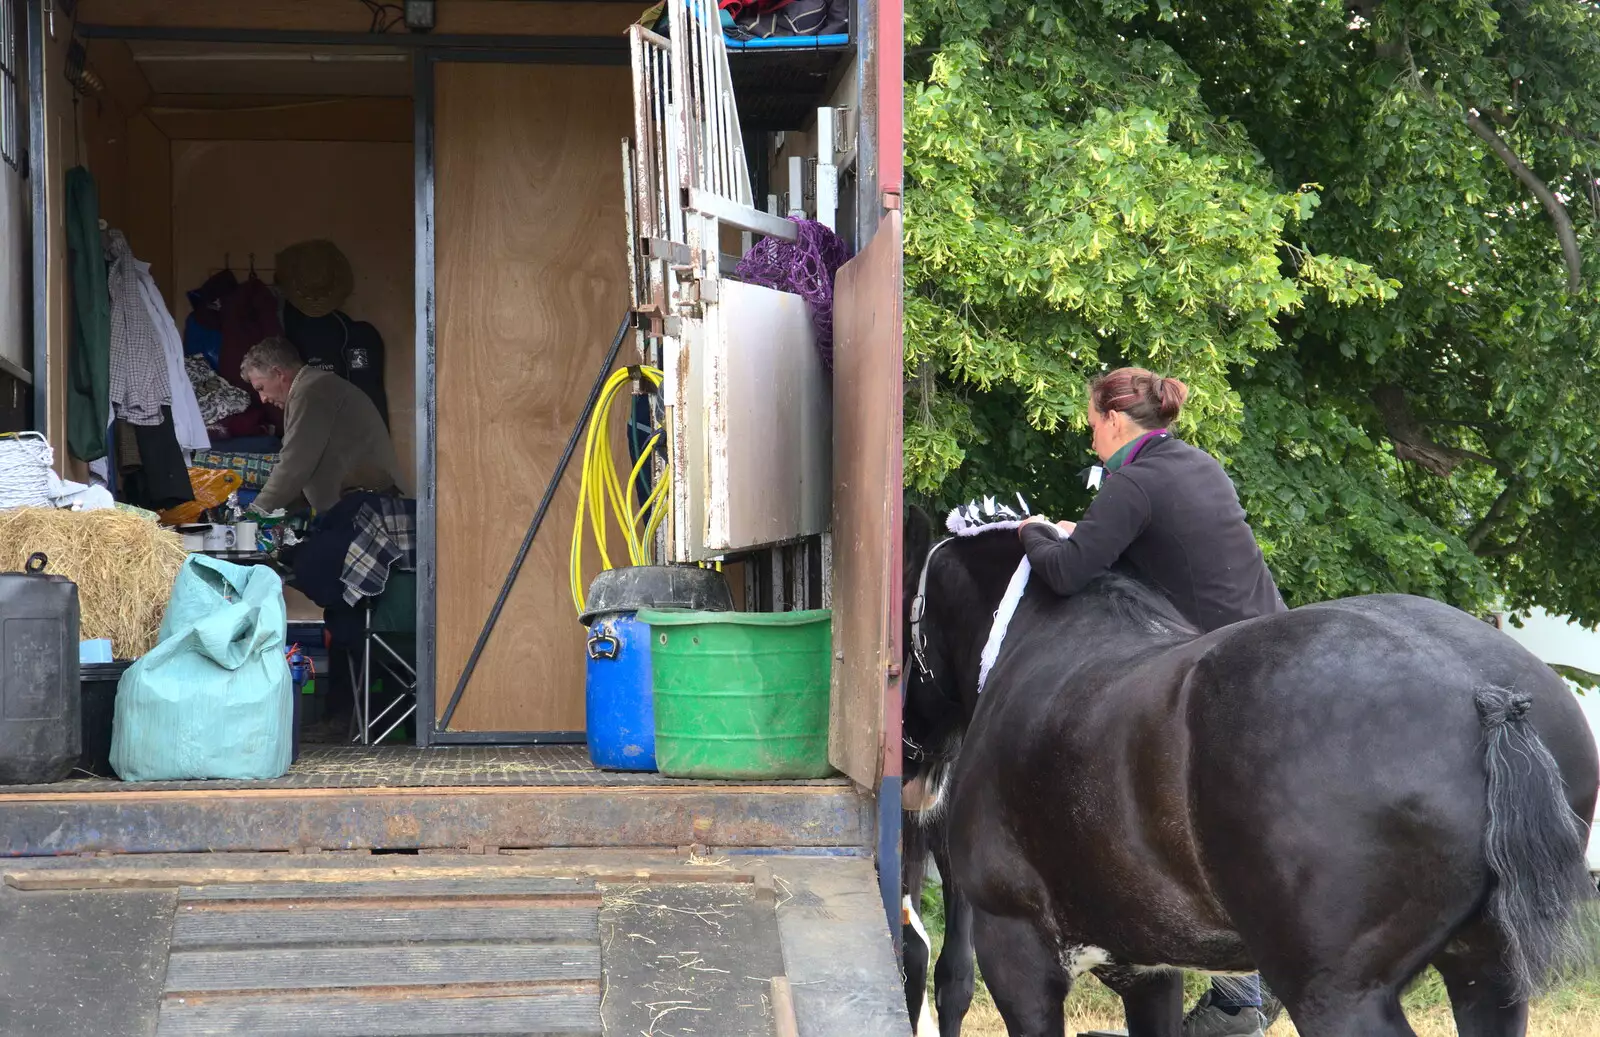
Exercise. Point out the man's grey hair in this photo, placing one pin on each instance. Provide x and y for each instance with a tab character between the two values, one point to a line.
275	353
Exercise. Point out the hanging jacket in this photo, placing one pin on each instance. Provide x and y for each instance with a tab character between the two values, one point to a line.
351	349
89	374
188	425
202	331
139	385
249	314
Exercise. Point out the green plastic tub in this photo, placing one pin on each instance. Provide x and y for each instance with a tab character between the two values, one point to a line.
741	694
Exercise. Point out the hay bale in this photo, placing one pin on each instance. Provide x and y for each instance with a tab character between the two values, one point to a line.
123	563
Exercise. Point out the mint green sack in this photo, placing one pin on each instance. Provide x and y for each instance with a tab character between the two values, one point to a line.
213	699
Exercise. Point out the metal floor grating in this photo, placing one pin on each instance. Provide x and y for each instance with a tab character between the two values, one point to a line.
355	767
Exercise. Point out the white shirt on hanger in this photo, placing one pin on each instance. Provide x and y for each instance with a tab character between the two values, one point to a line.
186	420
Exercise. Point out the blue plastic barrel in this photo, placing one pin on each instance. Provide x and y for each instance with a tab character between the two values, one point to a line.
621	712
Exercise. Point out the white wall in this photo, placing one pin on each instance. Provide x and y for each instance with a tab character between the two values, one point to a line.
1556	639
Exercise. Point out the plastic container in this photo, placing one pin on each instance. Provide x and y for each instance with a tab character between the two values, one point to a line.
95	651
620	716
99	684
621	719
741	694
636	587
40	701
300	672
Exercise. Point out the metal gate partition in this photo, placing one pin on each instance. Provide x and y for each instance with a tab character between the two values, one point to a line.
735	355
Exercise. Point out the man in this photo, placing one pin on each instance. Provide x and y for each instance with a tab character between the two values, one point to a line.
338	457
334	440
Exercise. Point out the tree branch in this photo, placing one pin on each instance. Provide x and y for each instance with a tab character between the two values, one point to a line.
1496	512
1547	198
1503	550
1480	426
1552	205
1412	441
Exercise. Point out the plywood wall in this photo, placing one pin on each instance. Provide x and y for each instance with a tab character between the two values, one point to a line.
234	197
531	275
191	179
494	17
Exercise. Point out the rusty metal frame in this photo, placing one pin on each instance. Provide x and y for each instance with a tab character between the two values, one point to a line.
507	817
880	64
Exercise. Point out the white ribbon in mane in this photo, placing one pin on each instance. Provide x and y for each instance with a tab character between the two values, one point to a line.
971	520
1002	620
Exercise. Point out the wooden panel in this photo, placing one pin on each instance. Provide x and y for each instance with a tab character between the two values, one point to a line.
310	968
659	951
355	925
125	84
231	198
409	889
131	161
533	17
532	282
867	379
246	117
570	1014
147	209
83	963
102	146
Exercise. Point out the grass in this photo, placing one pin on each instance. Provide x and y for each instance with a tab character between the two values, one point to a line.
1572	1010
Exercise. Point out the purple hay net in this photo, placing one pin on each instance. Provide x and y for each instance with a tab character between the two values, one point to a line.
805	267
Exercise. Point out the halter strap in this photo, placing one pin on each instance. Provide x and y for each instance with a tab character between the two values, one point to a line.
919	644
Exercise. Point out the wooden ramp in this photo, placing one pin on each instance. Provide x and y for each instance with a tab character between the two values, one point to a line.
559	942
433	956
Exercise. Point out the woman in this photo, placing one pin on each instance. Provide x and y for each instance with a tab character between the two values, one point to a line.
1171	511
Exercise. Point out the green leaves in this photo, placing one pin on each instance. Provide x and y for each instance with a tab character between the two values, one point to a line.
1283	205
1072	201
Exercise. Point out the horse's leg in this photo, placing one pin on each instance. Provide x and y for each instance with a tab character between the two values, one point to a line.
1152	999
1483	1002
1374	1013
1025	976
955	976
914	951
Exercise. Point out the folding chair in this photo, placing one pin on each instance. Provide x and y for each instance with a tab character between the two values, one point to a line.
387	650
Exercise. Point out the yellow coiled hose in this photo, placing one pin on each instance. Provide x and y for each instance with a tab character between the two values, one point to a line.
599	486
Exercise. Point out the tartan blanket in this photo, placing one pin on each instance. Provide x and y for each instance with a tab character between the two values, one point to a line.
385	537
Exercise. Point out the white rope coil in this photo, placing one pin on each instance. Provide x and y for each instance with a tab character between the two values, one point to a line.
26	461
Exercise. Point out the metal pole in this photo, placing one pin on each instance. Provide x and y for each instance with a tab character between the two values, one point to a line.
39	165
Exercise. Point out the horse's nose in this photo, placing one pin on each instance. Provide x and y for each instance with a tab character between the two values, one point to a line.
914	794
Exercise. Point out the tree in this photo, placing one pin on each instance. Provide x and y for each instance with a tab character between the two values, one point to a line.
1365	236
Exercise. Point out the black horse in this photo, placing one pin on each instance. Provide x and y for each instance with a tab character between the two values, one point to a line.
923	839
1337	796
955	975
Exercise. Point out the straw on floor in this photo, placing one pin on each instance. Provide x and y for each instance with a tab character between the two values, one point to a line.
124	565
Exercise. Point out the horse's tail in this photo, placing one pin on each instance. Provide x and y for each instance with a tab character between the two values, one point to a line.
1534	843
